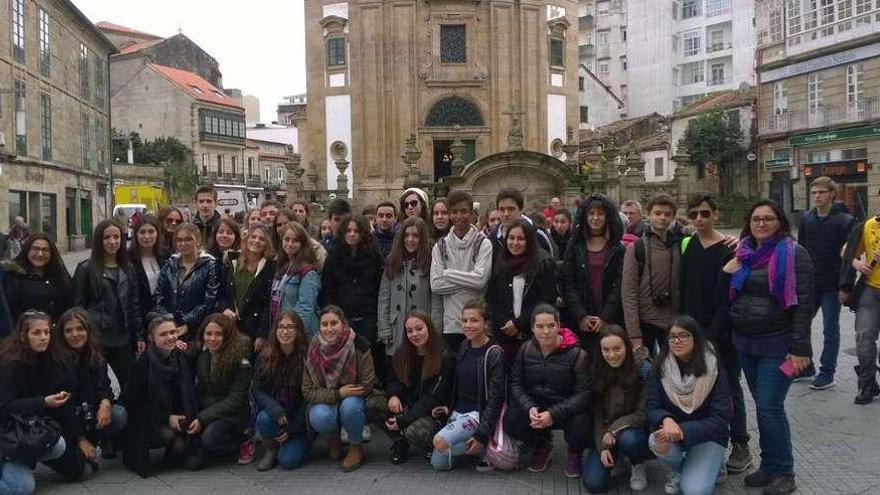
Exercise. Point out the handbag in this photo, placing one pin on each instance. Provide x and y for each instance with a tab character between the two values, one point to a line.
856	295
27	439
502	452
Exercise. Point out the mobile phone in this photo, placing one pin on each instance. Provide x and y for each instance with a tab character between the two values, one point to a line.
183	424
787	369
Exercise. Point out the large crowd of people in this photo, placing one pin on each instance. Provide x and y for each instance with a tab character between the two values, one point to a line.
457	333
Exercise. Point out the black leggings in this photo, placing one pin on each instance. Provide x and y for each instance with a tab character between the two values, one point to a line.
120	359
577	429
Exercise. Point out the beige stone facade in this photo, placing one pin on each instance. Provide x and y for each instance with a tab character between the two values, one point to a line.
380	71
54	119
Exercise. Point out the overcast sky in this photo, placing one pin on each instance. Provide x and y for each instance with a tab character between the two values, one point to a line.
258	43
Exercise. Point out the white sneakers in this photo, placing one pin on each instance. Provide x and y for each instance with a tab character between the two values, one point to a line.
638	481
673	483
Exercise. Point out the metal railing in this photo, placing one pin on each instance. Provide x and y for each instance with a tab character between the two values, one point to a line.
718	81
717	47
825	116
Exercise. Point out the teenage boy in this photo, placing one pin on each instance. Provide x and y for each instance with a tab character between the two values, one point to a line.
650	281
385	226
461	263
336	211
268	211
703	255
823	232
509	202
207	217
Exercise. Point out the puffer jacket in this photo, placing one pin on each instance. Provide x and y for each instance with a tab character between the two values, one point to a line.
253	314
491	399
193	298
29	290
558	382
422	396
540	287
575	271
224	395
114	333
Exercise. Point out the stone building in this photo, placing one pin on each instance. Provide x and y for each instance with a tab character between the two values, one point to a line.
54	120
292	110
493	75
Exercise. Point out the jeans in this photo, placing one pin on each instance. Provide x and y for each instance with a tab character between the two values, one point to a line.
118	422
769	387
831	330
867	331
578	430
460	428
293	451
349	413
698	465
631	442
222	436
16	478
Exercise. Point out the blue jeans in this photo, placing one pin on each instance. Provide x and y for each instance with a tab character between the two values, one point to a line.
698	465
831	331
292	452
867	331
222	436
631	442
16	478
769	387
460	428
349	413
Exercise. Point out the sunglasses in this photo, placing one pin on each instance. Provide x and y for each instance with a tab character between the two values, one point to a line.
172	221
703	213
412	204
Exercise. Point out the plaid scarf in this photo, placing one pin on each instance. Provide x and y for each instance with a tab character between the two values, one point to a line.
335	363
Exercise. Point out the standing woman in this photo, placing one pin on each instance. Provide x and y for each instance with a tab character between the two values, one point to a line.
440	218
619	397
591	270
169	219
689	409
37	279
104	285
406	283
523	277
286	216
253	218
414	203
146	260
351	279
297	283
97	418
188	283
338	378
302	210
223	377
225	238
768	311
478	391
249	286
277	393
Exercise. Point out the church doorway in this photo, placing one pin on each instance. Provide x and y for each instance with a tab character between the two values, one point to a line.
443	156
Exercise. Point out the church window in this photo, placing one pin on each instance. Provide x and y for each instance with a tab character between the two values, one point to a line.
454	111
335	52
557	52
453	44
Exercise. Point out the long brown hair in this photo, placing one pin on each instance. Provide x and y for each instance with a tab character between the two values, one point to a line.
55	268
90	355
166	238
234	348
271	355
212	246
16	347
268	251
394	264
405	357
604	376
98	256
305	255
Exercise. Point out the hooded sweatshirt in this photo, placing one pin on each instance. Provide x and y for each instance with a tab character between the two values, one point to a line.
460	270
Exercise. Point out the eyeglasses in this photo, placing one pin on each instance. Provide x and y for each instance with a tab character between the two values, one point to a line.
703	213
289	328
39	250
172	221
763	220
679	337
412	204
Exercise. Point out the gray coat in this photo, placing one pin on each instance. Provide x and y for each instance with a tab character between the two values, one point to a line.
409	290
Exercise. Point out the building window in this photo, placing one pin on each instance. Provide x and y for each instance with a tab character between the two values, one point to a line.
45	49
691	8
585	114
335	52
85	140
854	154
280	174
46	126
557	52
623	33
716	41
84	87
827	17
99	81
693	73
814	92
17	206
48	215
717	7
19	93
454	110
205	160
823	156
692	42
604	67
234	163
221	126
624	94
603	37
602	7
453	44
782	154
658	166
717	74
580	83
100	144
844	9
18	30
623	63
219	164
250	166
780	98
853	84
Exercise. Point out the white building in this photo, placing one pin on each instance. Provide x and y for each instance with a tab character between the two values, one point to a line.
599	105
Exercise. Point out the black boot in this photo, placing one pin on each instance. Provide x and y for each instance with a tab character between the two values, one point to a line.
868	389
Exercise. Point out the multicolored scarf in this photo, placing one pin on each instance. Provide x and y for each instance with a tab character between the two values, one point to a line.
333	363
778	254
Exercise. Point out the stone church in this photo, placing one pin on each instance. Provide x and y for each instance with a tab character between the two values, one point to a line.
423	91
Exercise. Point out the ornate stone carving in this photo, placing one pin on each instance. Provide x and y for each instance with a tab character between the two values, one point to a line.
457	148
410	157
339	153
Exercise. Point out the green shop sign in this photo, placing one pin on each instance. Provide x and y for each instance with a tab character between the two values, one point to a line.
841	135
777	164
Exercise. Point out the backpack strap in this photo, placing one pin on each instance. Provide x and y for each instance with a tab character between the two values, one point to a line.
685	241
476	253
639	247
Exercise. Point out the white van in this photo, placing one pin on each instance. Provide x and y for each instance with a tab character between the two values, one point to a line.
231	199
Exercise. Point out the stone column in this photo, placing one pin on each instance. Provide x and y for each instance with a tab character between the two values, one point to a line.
293	177
339	153
457	149
572	150
412	176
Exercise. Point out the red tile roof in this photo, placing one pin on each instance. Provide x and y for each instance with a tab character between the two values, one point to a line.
109	26
135	46
195	86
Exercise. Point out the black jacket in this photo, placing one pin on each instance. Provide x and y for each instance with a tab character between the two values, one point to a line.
24	387
385	240
88	387
146	298
558	383
575	272
208	227
422	396
489	400
26	291
351	281
823	238
540	287
266	397
253	315
561	242
113	332
847	277
192	299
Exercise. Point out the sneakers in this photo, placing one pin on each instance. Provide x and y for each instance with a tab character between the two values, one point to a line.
822	382
867	393
246	451
367	434
541	458
399	451
673	483
740	458
757	479
638	480
572	467
781	485
807	374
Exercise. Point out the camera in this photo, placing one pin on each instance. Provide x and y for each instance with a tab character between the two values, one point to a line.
87	414
663	299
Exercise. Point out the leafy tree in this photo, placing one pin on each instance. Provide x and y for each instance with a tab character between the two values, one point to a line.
167	152
716	138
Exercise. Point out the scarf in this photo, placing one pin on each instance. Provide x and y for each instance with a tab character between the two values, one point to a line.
516	264
333	363
172	371
778	253
688	392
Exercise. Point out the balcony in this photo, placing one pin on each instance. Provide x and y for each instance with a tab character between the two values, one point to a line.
719	81
585	22
586	52
827	116
718	46
208	178
253	181
273	183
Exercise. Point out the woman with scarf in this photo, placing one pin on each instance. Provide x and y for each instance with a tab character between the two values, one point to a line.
689	409
523	276
767	310
338	378
249	285
160	398
277	393
297	281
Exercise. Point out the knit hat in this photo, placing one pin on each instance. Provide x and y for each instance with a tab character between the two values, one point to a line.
415	190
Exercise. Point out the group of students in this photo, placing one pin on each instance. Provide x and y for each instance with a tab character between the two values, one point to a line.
444	335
